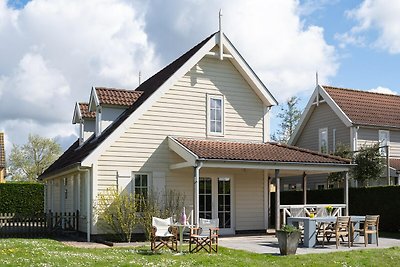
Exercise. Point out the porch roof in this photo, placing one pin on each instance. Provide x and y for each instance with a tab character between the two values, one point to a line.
215	153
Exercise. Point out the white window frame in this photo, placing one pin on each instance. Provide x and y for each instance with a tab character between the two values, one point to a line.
383	141
218	97
321	130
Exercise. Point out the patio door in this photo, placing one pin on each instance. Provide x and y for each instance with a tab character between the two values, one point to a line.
216	201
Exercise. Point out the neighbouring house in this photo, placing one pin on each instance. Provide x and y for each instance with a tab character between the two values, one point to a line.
2	159
200	126
354	118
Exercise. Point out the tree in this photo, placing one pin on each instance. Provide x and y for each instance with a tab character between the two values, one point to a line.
345	152
28	161
369	165
290	116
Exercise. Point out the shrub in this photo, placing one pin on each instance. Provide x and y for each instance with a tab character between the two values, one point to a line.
22	198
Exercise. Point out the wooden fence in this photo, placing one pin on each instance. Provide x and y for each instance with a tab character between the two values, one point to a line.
46	224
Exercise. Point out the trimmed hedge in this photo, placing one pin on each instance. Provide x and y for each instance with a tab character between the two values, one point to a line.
383	200
21	198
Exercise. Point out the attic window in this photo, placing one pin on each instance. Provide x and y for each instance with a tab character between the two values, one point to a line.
215	114
323	140
384	140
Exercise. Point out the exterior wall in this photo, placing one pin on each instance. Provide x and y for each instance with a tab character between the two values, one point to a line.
323	117
2	172
182	111
108	115
89	128
370	136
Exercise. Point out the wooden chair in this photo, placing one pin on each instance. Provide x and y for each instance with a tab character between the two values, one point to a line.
341	228
205	236
162	234
371	226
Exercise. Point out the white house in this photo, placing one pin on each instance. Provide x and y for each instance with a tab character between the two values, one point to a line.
200	122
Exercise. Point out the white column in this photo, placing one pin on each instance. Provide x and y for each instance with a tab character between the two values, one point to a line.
196	192
266	200
277	200
304	188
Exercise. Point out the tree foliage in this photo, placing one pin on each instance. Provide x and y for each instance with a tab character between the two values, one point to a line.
28	161
369	164
290	115
345	152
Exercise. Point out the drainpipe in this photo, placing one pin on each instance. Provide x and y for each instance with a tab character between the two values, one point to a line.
88	206
196	198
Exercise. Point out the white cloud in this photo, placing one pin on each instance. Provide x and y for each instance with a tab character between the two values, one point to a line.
383	90
382	16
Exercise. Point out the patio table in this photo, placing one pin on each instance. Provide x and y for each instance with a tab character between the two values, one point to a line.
310	231
181	228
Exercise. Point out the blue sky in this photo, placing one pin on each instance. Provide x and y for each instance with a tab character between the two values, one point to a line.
54	51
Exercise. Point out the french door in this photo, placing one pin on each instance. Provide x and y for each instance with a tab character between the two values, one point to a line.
216	201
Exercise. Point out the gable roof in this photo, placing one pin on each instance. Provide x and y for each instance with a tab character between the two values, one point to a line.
367	108
112	96
85	113
353	107
152	89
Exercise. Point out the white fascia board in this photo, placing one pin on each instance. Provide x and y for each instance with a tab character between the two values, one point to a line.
339	112
94	101
249	75
77	117
182	151
305	116
185	68
301	167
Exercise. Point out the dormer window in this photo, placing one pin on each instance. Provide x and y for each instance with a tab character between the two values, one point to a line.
215	115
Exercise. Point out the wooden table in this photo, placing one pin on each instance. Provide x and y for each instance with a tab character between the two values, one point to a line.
310	225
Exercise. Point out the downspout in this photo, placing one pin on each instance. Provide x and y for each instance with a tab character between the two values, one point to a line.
196	197
88	206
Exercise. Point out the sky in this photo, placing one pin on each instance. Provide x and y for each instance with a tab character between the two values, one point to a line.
53	51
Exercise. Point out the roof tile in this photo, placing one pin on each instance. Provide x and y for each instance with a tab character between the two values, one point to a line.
114	96
86	114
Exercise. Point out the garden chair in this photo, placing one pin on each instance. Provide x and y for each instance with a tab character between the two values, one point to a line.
205	236
163	234
371	226
341	228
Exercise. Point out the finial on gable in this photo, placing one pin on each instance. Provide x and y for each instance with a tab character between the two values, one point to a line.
221	47
316	78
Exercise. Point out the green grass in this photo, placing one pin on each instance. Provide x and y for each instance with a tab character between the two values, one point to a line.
46	252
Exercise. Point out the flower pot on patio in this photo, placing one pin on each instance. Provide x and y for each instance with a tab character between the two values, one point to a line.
288	239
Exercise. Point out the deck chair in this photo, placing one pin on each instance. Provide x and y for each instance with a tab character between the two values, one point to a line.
205	236
341	228
371	226
162	234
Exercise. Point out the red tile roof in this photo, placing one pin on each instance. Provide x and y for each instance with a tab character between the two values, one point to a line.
395	163
273	152
114	96
367	108
84	107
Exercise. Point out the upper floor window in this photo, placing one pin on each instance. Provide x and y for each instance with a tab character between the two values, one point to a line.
384	140
215	114
323	140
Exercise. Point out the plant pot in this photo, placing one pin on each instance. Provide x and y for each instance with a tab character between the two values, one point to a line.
288	241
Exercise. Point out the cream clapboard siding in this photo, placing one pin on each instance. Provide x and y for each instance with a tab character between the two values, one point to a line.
370	136
323	117
182	111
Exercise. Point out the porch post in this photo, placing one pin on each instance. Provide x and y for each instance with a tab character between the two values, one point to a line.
266	199
196	193
304	188
277	200
346	193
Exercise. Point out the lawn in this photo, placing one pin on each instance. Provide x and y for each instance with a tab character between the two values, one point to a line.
47	252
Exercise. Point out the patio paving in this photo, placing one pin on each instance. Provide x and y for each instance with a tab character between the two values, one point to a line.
268	244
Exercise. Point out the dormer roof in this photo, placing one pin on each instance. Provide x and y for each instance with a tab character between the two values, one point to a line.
81	112
112	97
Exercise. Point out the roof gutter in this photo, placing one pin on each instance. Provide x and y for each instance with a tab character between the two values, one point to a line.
64	171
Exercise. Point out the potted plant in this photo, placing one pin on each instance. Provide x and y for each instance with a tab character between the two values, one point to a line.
288	239
329	210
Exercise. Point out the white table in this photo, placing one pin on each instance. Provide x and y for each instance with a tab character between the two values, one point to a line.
310	231
181	228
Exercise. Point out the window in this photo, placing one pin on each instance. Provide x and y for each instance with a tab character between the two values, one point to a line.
384	140
323	140
320	186
333	140
215	115
141	188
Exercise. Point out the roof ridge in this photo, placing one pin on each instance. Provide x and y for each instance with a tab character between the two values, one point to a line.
358	90
309	151
117	89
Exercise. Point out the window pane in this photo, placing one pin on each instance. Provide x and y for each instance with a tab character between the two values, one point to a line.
218	127
218	103
212	103
218	115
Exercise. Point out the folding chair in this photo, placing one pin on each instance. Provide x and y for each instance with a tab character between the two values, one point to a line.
162	234
205	236
371	226
341	228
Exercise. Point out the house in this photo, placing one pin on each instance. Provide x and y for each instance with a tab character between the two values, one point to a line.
200	122
2	159
354	118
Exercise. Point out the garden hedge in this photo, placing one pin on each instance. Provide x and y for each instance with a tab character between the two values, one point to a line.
21	198
383	200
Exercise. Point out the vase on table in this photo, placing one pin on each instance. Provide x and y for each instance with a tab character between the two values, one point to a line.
183	217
